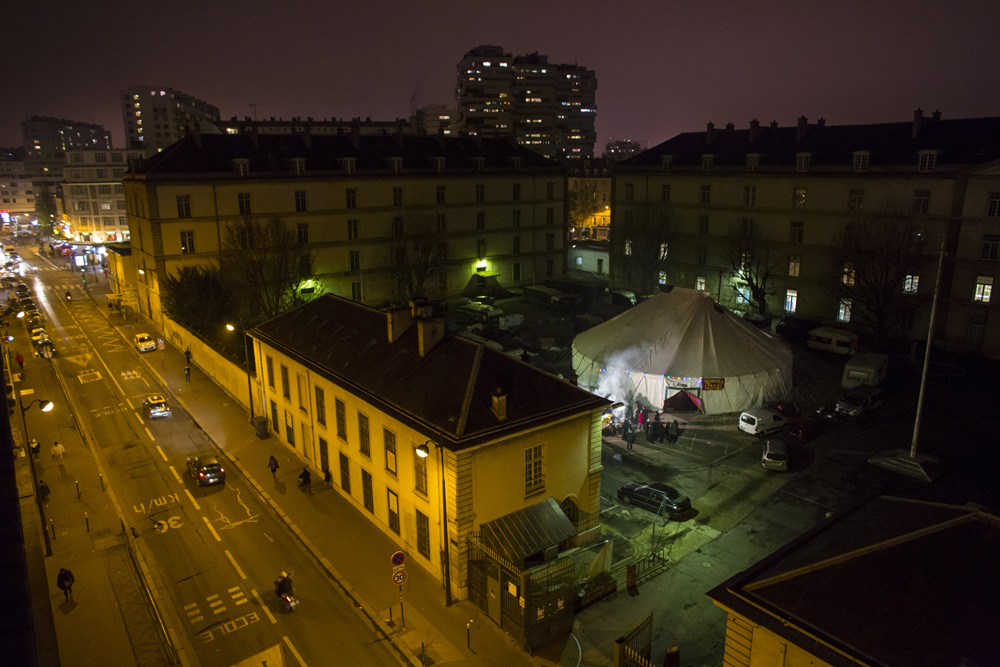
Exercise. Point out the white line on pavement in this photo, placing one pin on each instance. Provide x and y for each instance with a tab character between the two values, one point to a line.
263	606
233	561
176	476
150	434
160	450
212	528
193	501
288	642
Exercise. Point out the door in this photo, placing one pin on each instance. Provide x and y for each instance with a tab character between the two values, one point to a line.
600	266
493	592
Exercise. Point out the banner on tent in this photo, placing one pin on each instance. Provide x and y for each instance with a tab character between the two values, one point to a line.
709	384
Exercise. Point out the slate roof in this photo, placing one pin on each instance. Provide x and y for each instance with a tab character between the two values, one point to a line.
270	155
891	583
446	394
959	142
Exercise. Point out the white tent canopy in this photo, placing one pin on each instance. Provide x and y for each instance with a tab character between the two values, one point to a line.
673	342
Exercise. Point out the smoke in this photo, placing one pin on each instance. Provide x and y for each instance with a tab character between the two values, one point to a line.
613	384
415	97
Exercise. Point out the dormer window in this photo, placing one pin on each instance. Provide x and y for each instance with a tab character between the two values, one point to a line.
397	164
802	161
666	162
707	162
927	160
242	167
861	161
298	166
349	165
753	161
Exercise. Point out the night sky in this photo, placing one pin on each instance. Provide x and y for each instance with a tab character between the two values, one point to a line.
663	67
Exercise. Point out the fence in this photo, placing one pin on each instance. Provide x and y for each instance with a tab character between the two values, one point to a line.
141	572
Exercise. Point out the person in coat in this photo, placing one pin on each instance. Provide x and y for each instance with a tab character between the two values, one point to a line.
672	431
65	580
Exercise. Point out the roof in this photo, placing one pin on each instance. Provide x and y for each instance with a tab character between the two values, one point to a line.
447	393
959	142
528	531
270	155
890	583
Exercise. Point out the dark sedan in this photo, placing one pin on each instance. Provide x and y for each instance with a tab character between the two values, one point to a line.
655	497
206	470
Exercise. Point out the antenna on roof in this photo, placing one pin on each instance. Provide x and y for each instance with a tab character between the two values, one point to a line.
254	105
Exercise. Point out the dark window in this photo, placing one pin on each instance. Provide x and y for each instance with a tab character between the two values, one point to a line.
423	535
706	194
393	511
516	217
480	193
352	198
183	206
397	196
480	220
320	406
550	267
440	194
345	473
665	192
187	243
629	192
352	230
341	419
550	190
390	450
285	389
516	245
354	260
517	271
516	194
363	439
269	362
796	232
550	239
243	199
703	225
420	473
367	492
991	246
442	223
300	200
302	232
397	227
550	215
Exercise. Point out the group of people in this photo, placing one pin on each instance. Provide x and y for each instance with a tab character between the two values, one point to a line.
638	418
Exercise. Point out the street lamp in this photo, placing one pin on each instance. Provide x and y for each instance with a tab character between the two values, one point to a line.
423	451
44	406
246	362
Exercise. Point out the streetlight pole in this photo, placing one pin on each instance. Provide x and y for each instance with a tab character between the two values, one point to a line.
246	362
44	406
423	451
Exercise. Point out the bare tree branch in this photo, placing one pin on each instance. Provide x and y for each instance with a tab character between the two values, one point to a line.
752	259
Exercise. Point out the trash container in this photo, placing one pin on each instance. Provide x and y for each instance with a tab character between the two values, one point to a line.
260	423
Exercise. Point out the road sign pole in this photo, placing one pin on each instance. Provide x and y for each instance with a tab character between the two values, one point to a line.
402	619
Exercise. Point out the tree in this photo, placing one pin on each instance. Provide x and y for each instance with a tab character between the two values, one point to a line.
878	264
45	208
751	260
198	298
584	202
265	264
417	253
646	235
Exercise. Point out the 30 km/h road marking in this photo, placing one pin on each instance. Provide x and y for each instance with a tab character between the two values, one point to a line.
212	528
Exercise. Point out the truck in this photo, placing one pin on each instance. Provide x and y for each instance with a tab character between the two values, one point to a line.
867	368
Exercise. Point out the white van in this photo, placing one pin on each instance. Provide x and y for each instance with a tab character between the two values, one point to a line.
622	297
833	340
761	421
867	368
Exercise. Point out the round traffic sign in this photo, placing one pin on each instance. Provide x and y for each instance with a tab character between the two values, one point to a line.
160	343
398	558
399	577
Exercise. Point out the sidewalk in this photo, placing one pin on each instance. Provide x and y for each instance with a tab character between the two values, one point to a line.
356	553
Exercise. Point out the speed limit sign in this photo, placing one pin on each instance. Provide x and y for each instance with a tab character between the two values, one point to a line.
399	577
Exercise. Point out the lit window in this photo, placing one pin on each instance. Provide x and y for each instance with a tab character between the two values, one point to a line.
794	266
848	276
844	311
628	247
984	288
799	198
699	283
791	300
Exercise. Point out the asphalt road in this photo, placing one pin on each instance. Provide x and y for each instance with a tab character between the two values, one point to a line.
214	551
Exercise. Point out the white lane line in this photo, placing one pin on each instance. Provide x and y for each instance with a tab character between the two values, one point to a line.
233	561
138	417
193	501
288	642
150	435
211	528
161	452
176	476
263	606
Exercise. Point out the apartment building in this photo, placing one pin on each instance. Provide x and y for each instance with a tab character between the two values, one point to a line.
470	436
359	207
550	108
157	116
799	193
17	194
93	194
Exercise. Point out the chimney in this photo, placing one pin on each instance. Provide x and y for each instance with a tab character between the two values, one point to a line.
399	320
918	121
730	127
355	136
754	130
709	133
307	136
774	125
936	115
499	404
801	129
821	122
430	331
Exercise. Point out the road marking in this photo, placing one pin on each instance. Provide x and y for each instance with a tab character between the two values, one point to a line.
160	450
193	501
288	642
211	528
138	417
233	561
176	476
193	614
264	607
150	434
237	594
216	604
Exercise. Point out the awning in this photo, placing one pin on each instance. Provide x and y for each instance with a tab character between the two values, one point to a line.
528	531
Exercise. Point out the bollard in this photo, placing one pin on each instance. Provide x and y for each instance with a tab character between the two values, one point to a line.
422	654
52	525
77	489
468	635
87	519
102	482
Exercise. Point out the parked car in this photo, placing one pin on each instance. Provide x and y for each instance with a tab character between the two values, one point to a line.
155	406
206	470
487	300
21	289
655	497
857	403
801	430
777	454
761	421
144	342
796	329
38	334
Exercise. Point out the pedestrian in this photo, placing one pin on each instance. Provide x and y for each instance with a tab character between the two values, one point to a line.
20	361
187	373
58	451
65	581
187	356
43	492
272	465
36	449
672	431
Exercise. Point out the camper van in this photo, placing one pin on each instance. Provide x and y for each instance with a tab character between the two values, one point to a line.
833	340
479	313
540	294
865	368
